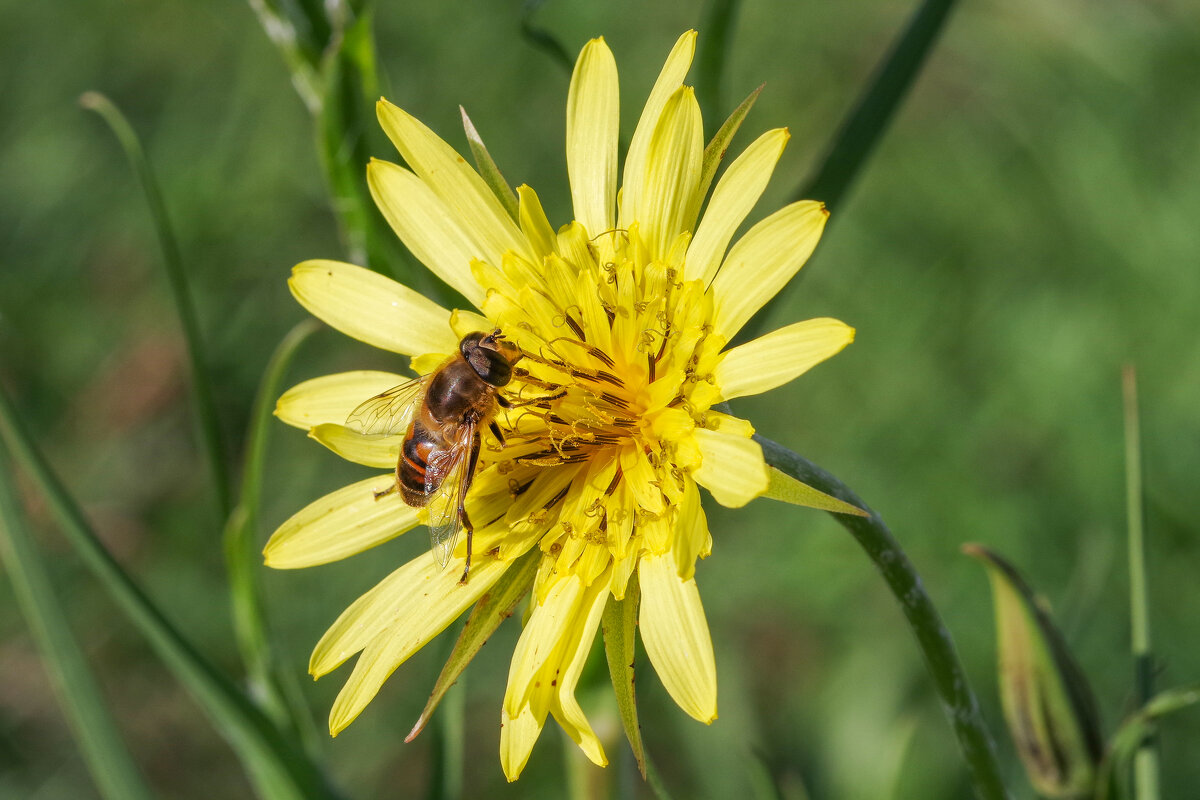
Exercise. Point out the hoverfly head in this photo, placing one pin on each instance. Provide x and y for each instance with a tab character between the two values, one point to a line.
490	355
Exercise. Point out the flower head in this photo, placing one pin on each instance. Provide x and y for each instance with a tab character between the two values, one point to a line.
623	316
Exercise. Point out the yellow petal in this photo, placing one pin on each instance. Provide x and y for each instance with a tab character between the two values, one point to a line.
331	398
732	469
534	224
566	708
678	63
763	261
691	532
593	115
340	524
427	226
420	601
673	162
736	193
376	451
786	488
476	209
675	632
464	322
774	359
517	737
372	308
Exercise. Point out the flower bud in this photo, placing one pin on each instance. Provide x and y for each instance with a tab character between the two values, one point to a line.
1047	702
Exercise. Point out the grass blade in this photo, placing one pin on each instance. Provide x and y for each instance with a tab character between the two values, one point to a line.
276	766
715	43
861	130
112	768
208	426
243	556
542	39
1145	761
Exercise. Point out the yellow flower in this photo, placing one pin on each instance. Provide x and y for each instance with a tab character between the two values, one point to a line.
624	315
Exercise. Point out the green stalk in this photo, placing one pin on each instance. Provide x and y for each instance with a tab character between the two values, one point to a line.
542	39
207	425
276	766
937	646
861	130
278	693
113	769
1145	762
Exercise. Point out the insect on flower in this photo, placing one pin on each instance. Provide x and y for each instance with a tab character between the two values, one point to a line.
444	413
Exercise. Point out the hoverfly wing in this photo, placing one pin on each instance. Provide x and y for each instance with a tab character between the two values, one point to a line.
447	478
389	412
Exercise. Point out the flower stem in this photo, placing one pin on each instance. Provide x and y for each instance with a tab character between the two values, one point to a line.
937	646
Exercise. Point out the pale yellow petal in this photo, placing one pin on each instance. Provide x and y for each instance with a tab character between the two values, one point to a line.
733	199
517	737
673	162
542	640
593	117
377	451
417	606
475	207
331	398
778	357
340	524
671	78
371	308
732	468
675	632
427	226
566	708
763	261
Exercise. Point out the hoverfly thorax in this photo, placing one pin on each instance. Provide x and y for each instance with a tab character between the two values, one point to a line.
490	355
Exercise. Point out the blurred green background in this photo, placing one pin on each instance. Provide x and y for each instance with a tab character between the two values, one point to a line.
1028	224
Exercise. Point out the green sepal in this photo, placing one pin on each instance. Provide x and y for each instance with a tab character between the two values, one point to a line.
1135	730
620	623
714	153
1047	702
487	167
787	489
492	608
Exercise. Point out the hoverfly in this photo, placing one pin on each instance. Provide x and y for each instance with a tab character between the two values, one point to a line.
445	412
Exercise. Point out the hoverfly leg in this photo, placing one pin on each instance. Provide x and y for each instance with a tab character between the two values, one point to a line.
462	507
499	434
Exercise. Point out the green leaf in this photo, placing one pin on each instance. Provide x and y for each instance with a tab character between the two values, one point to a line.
277	767
789	490
275	687
620	625
1047	702
493	608
861	130
113	769
205	410
487	168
